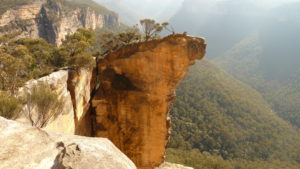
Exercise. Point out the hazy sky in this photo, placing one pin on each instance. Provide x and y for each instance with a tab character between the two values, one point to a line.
157	9
163	10
152	7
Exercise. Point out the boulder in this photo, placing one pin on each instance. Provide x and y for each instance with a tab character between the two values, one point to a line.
26	147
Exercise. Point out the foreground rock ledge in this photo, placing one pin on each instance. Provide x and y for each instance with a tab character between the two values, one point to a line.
138	85
25	147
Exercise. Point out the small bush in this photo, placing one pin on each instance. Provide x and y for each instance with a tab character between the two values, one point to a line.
10	106
76	49
43	104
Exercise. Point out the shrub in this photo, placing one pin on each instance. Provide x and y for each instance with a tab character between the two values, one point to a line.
77	49
9	106
43	104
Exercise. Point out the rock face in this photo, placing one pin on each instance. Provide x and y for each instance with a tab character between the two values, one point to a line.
52	20
27	148
131	91
81	84
138	85
75	89
28	13
58	82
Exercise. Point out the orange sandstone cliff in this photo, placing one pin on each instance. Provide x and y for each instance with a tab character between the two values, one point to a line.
137	88
127	97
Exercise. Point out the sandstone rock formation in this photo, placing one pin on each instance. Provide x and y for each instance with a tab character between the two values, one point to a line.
32	148
167	165
52	20
58	82
75	89
138	85
131	91
81	85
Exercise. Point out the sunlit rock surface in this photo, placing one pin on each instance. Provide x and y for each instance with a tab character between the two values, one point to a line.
74	87
26	147
127	97
51	20
58	82
138	85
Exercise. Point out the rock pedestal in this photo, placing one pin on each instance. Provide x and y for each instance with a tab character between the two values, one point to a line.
138	85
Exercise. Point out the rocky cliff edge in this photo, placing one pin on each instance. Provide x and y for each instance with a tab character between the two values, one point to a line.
138	84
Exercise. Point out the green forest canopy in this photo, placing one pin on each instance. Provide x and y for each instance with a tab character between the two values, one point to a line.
224	118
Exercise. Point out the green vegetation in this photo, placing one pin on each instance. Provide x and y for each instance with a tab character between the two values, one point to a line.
76	50
11	4
282	93
26	58
197	159
44	100
224	119
151	28
208	161
17	24
9	106
108	41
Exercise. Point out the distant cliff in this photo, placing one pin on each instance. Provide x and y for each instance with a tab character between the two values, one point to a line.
53	19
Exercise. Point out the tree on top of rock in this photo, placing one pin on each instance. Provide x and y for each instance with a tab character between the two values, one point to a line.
150	28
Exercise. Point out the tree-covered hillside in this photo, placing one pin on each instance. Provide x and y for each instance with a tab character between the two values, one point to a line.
217	114
257	44
277	79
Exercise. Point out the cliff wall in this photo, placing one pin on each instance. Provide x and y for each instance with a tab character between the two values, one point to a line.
138	84
53	20
126	98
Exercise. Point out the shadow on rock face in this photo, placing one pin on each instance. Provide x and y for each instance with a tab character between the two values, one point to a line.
69	156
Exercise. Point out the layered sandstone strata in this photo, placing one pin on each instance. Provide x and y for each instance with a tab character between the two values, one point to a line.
52	20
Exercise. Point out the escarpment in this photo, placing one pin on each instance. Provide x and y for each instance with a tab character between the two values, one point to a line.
138	85
54	19
126	98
